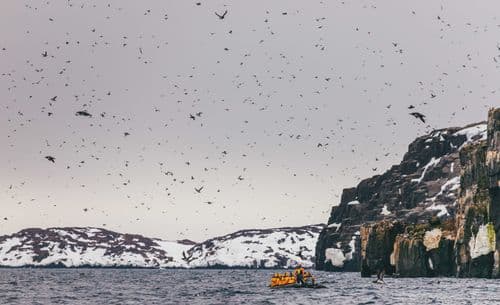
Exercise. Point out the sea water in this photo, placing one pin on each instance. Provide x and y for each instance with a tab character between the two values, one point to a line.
154	286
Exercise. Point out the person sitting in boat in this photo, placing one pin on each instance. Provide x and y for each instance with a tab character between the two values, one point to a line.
286	279
299	275
282	279
275	280
309	278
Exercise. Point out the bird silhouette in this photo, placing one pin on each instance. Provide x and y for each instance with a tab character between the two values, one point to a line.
51	159
83	113
198	190
419	116
221	16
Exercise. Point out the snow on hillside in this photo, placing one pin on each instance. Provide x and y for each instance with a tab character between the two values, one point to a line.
93	247
74	247
283	247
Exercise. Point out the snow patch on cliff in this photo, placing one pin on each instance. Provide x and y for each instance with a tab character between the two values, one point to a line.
432	239
474	133
433	162
335	257
443	211
385	211
484	242
335	225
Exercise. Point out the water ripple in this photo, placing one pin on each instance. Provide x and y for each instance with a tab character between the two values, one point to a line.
226	287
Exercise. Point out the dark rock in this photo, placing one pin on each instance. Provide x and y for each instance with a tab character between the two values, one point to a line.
435	214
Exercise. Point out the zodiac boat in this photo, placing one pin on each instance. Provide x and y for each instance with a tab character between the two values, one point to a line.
287	280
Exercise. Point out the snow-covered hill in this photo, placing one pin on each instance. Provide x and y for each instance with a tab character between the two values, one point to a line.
94	247
74	247
282	247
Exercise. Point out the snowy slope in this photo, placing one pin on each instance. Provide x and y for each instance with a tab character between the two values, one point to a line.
282	247
94	247
74	247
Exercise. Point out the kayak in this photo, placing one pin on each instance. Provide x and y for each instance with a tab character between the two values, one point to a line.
312	286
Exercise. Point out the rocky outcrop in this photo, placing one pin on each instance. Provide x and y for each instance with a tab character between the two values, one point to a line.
436	213
94	247
493	163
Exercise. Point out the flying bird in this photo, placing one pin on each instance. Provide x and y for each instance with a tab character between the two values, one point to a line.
198	190
419	116
221	16
83	113
51	159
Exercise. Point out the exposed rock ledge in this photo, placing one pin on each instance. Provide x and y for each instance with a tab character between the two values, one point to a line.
435	214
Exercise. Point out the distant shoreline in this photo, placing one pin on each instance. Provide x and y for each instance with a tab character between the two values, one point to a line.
218	267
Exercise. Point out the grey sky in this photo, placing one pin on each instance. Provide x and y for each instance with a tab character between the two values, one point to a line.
324	72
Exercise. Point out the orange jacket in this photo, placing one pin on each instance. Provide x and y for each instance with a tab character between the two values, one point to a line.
299	271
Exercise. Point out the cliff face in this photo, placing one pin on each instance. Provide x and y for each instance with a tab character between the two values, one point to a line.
493	164
436	213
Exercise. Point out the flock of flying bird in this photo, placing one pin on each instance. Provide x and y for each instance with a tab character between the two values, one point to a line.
199	116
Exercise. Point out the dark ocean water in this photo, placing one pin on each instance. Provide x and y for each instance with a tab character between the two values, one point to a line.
136	286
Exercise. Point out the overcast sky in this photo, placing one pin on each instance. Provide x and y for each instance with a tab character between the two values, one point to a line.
292	101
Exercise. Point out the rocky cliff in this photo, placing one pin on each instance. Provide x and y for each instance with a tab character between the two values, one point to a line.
94	247
436	213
